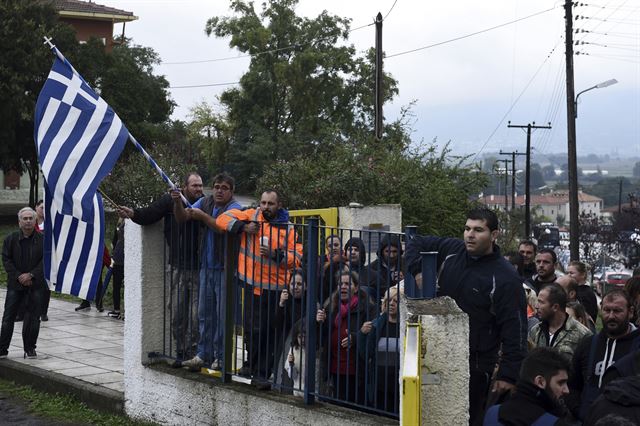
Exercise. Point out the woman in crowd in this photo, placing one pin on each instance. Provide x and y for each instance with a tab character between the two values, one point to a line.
294	365
585	294
577	312
378	346
118	267
517	261
289	311
340	320
40	228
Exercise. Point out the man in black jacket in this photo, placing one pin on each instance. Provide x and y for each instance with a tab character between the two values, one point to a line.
22	260
386	270
183	240
539	392
488	289
546	260
527	250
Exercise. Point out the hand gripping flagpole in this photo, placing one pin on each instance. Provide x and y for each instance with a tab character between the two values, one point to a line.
133	140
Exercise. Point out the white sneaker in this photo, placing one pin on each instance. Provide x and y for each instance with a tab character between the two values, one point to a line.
216	365
193	364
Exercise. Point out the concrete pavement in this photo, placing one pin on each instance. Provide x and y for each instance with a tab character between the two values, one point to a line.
78	352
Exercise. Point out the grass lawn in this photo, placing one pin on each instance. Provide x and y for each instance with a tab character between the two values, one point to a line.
63	408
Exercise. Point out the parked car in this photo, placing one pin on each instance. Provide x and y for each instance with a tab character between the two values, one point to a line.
610	280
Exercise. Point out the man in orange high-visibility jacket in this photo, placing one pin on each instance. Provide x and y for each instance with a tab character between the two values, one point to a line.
268	252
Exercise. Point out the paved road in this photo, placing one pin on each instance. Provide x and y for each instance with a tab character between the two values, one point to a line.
15	412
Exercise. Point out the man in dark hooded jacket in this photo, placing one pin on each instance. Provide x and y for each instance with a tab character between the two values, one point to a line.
622	397
386	270
488	289
596	354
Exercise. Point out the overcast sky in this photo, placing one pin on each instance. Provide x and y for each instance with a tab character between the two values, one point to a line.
465	90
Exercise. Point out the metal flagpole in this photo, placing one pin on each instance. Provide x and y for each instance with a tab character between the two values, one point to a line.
133	140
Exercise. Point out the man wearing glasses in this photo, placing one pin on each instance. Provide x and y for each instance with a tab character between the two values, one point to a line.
206	210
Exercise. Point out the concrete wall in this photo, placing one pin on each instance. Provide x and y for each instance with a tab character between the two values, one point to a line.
176	397
359	217
445	359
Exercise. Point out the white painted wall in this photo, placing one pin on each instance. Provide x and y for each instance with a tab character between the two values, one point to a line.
359	217
445	359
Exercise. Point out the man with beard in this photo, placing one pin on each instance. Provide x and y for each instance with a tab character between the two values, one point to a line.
182	268
546	270
211	248
594	355
527	250
488	289
268	251
539	392
556	328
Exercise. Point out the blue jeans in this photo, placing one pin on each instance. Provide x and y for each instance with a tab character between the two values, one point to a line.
211	315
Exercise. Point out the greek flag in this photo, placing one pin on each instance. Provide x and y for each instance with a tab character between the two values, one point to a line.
78	139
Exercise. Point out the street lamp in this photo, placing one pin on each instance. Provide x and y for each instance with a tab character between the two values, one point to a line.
574	226
597	86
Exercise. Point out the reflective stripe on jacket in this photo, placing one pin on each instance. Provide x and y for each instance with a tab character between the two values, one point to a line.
263	273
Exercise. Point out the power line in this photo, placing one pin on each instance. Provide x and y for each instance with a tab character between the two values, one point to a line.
392	6
204	85
514	103
229	58
469	35
613	57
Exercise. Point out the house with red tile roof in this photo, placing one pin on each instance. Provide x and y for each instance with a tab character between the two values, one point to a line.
90	19
552	204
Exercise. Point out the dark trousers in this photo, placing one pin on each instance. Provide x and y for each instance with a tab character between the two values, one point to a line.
259	311
348	388
34	297
45	302
478	391
118	280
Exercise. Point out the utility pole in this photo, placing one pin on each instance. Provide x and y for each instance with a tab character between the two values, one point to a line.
620	197
378	77
513	155
506	182
574	224
527	195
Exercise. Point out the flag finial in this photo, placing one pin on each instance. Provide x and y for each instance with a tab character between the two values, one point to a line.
47	40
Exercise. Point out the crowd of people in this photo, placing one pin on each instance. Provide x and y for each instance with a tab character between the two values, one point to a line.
535	353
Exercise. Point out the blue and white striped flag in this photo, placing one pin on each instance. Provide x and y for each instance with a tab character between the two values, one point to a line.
79	139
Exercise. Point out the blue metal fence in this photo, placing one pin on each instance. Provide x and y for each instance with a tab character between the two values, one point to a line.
314	314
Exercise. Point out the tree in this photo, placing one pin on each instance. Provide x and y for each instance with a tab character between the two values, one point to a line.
549	172
608	189
134	183
24	65
433	188
210	132
304	92
123	78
